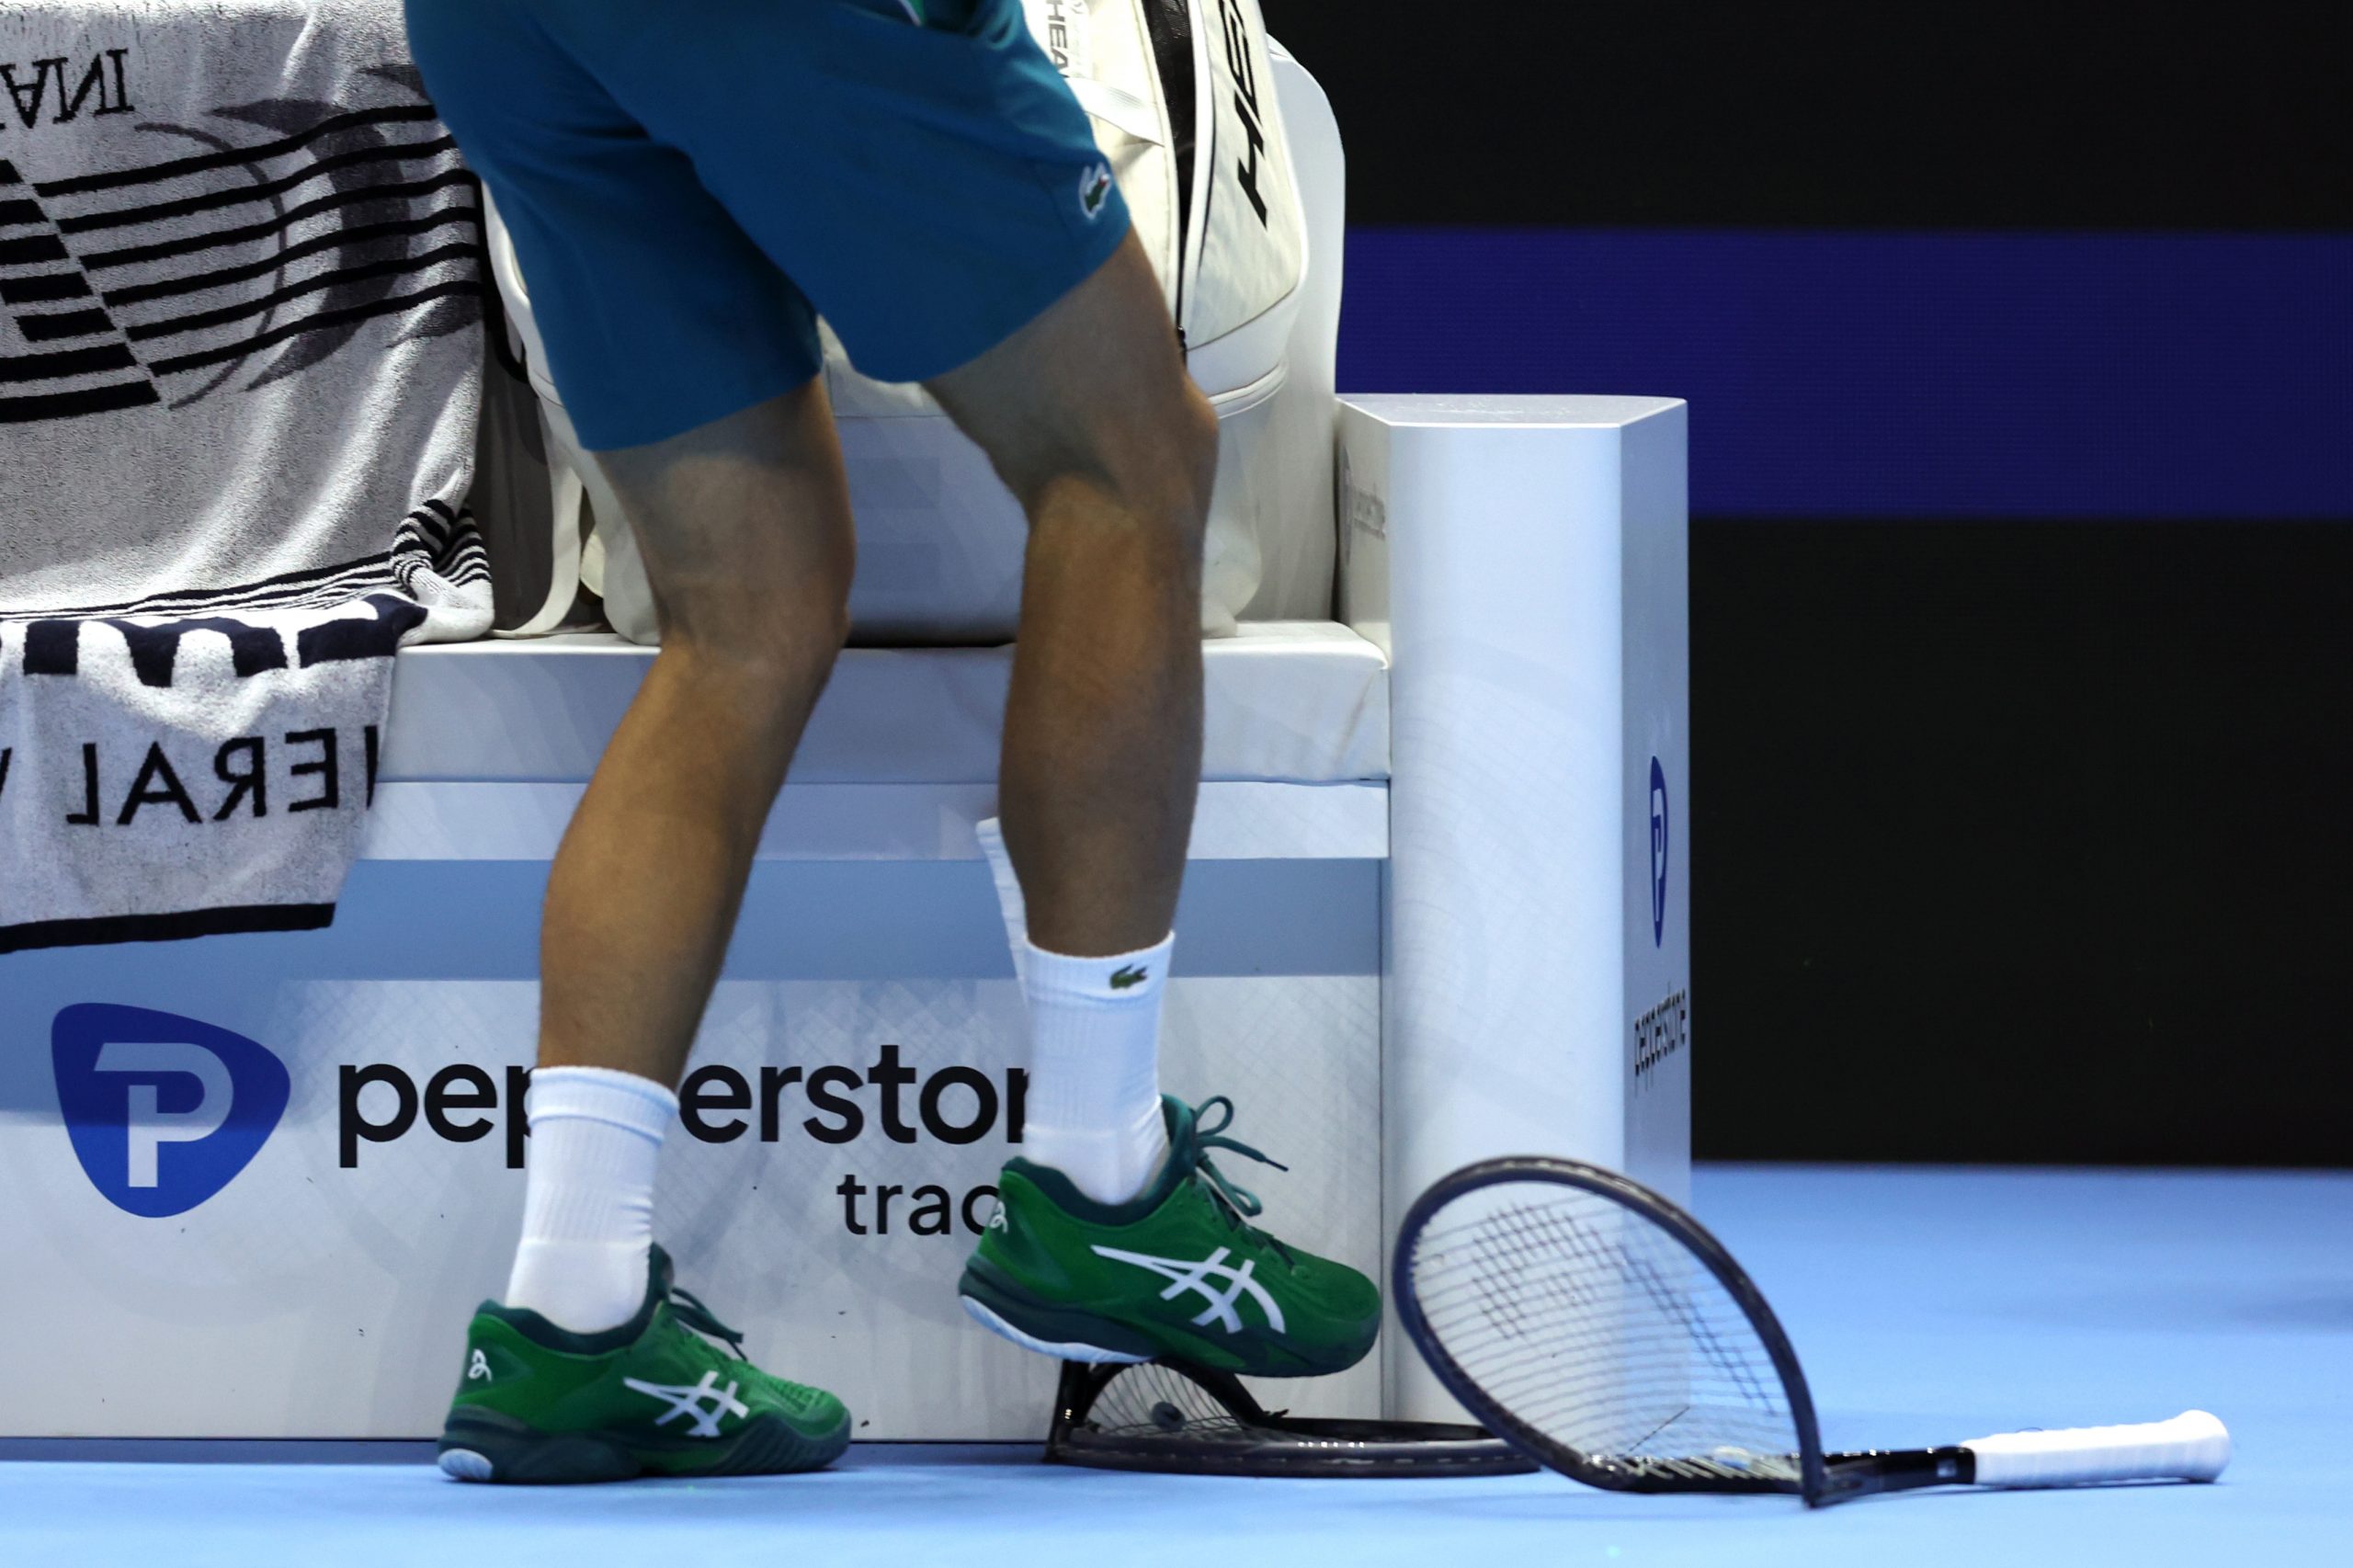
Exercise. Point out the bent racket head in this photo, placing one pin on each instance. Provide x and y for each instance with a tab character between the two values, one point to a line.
1601	1331
1157	1415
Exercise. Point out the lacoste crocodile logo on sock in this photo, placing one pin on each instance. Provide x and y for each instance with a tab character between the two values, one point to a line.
1128	978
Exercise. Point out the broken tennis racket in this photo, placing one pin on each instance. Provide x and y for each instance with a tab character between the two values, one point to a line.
1599	1330
1157	1415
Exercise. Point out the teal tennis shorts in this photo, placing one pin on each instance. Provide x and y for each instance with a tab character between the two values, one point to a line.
690	182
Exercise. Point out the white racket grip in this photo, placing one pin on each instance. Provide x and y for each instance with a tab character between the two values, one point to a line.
2193	1446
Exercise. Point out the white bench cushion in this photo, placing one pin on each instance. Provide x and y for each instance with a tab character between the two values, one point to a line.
1287	701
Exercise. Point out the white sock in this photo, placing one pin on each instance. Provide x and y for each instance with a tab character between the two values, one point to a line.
1093	1105
588	1196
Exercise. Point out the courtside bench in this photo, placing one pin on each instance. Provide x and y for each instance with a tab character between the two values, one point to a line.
1437	910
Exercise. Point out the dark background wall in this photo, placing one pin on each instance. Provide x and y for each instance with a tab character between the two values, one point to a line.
2019	343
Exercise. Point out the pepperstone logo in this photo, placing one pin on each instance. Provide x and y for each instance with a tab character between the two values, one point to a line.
383	1103
1663	1032
1658	854
162	1111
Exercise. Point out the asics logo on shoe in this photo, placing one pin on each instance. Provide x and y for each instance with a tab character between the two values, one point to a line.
1196	1277
688	1401
1130	977
478	1368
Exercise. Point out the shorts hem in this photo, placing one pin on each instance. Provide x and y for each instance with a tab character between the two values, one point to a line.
1015	312
601	435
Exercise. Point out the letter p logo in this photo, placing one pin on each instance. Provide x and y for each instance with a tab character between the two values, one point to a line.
1658	854
162	1111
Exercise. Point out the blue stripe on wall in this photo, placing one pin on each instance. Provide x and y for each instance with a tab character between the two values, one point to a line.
1930	375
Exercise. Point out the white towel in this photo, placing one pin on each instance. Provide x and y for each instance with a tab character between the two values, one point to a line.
241	345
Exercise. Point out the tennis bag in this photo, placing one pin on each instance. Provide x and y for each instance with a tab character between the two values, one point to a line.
1182	98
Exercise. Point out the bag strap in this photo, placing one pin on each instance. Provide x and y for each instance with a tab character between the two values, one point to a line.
564	578
1121	110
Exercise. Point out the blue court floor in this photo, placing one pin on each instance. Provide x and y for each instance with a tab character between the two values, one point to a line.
1928	1306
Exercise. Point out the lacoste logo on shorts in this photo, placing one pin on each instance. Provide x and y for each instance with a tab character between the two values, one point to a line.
1094	189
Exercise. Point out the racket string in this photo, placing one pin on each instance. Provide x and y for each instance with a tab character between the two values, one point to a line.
1149	1398
1604	1334
1576	1255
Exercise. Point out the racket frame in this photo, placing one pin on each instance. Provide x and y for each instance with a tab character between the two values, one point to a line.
1815	1484
1823	1479
1277	1443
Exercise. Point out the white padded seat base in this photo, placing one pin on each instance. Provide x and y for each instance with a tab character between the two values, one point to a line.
1286	701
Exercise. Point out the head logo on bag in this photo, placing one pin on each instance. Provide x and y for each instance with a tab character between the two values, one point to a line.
162	1111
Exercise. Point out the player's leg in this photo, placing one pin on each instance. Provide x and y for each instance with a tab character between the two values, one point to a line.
1089	416
745	527
686	358
951	216
949	212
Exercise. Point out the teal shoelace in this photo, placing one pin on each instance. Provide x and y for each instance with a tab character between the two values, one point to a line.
687	1307
1241	1204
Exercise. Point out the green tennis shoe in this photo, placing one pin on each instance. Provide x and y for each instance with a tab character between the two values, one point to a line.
657	1396
1177	1272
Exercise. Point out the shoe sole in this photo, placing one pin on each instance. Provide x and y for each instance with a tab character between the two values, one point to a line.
1073	1334
484	1445
1094	1355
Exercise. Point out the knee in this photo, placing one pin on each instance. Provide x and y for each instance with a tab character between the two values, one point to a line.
1155	464
1192	437
764	635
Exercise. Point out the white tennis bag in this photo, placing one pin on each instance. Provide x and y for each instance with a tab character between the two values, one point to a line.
1182	96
